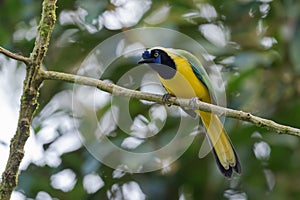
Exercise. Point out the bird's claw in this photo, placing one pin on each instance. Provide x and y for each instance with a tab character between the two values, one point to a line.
166	98
193	102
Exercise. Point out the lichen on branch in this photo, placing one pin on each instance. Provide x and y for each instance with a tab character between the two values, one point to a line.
29	97
121	91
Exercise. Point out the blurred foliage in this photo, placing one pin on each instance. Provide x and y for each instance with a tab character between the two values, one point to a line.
261	66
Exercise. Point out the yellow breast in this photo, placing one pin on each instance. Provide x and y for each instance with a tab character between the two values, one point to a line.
185	84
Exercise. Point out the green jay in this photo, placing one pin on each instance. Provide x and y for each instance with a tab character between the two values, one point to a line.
182	75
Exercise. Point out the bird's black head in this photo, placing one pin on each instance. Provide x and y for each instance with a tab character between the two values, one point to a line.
160	61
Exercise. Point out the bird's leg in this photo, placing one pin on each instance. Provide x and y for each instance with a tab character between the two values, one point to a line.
166	98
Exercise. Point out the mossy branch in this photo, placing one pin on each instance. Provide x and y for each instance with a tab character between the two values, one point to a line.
120	91
29	97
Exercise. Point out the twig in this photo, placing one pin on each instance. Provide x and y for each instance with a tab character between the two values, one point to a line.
15	56
120	91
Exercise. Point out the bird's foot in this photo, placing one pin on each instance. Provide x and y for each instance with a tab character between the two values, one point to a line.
166	98
193	102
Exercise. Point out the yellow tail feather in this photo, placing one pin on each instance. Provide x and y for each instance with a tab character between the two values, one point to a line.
223	150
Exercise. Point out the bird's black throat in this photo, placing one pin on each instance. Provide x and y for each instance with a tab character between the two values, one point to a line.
167	68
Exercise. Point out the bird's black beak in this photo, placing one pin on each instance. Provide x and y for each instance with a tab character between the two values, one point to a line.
146	60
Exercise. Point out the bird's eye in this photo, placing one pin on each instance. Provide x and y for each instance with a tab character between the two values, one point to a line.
155	54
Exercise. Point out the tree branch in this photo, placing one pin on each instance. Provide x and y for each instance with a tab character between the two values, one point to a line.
15	56
29	97
120	91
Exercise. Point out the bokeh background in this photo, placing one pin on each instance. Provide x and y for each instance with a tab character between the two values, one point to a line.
255	43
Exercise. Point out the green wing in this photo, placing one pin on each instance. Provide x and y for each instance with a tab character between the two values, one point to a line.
199	71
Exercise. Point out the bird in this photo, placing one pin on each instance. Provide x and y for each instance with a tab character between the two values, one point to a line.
182	75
